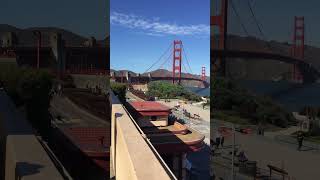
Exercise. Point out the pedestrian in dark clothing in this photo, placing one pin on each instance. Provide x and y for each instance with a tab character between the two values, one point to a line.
259	130
300	137
212	144
218	139
221	140
217	142
242	157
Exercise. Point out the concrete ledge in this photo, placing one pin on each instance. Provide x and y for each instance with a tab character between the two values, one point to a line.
132	156
23	156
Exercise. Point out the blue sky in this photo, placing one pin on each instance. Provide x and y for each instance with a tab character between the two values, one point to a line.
142	30
276	18
87	18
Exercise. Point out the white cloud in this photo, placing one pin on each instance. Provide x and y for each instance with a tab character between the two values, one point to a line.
154	27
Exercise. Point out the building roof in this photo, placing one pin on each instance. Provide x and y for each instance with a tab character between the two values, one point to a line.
175	138
149	106
93	142
159	113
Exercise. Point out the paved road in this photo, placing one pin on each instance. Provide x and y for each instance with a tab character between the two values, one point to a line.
301	165
72	115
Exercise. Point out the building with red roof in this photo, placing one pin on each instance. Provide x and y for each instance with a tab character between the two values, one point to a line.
150	113
171	139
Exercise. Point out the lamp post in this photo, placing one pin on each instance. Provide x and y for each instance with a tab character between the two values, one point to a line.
233	148
38	35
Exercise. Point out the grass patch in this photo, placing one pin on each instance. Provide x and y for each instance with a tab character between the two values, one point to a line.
315	139
229	116
308	137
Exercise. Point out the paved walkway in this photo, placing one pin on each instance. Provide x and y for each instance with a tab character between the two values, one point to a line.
72	115
302	165
202	125
132	97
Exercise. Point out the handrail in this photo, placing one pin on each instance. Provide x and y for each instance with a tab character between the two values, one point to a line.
55	160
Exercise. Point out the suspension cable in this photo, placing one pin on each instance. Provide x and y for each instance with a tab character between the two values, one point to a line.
185	55
166	60
158	59
239	19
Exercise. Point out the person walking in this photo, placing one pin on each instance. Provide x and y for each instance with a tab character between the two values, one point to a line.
217	139
259	129
221	139
300	138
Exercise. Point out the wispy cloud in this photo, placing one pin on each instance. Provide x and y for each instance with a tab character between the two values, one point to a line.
154	27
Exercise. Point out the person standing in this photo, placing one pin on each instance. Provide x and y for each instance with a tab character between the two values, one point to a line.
59	89
217	139
259	129
300	138
221	139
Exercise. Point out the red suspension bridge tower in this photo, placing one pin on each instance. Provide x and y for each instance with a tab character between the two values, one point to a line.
220	21
297	50
177	59
203	73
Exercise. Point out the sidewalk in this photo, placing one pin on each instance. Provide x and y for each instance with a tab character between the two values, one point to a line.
307	145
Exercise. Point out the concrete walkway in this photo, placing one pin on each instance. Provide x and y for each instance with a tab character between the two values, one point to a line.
301	165
72	115
202	125
25	157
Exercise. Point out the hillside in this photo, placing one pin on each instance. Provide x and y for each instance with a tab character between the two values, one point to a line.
26	37
158	73
163	73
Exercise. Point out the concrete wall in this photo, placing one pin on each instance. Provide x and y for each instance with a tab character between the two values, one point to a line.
131	155
22	155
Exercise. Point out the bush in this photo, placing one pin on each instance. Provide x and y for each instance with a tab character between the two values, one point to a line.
227	96
120	90
31	88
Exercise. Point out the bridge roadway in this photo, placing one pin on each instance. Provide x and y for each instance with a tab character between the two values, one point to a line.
309	72
146	79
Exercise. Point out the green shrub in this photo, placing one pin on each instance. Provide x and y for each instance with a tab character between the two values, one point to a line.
227	96
119	89
31	88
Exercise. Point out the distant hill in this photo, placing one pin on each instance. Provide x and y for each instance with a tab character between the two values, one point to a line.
26	37
163	73
119	72
157	73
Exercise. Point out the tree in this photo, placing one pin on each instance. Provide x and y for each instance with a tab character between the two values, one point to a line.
228	96
31	88
167	90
